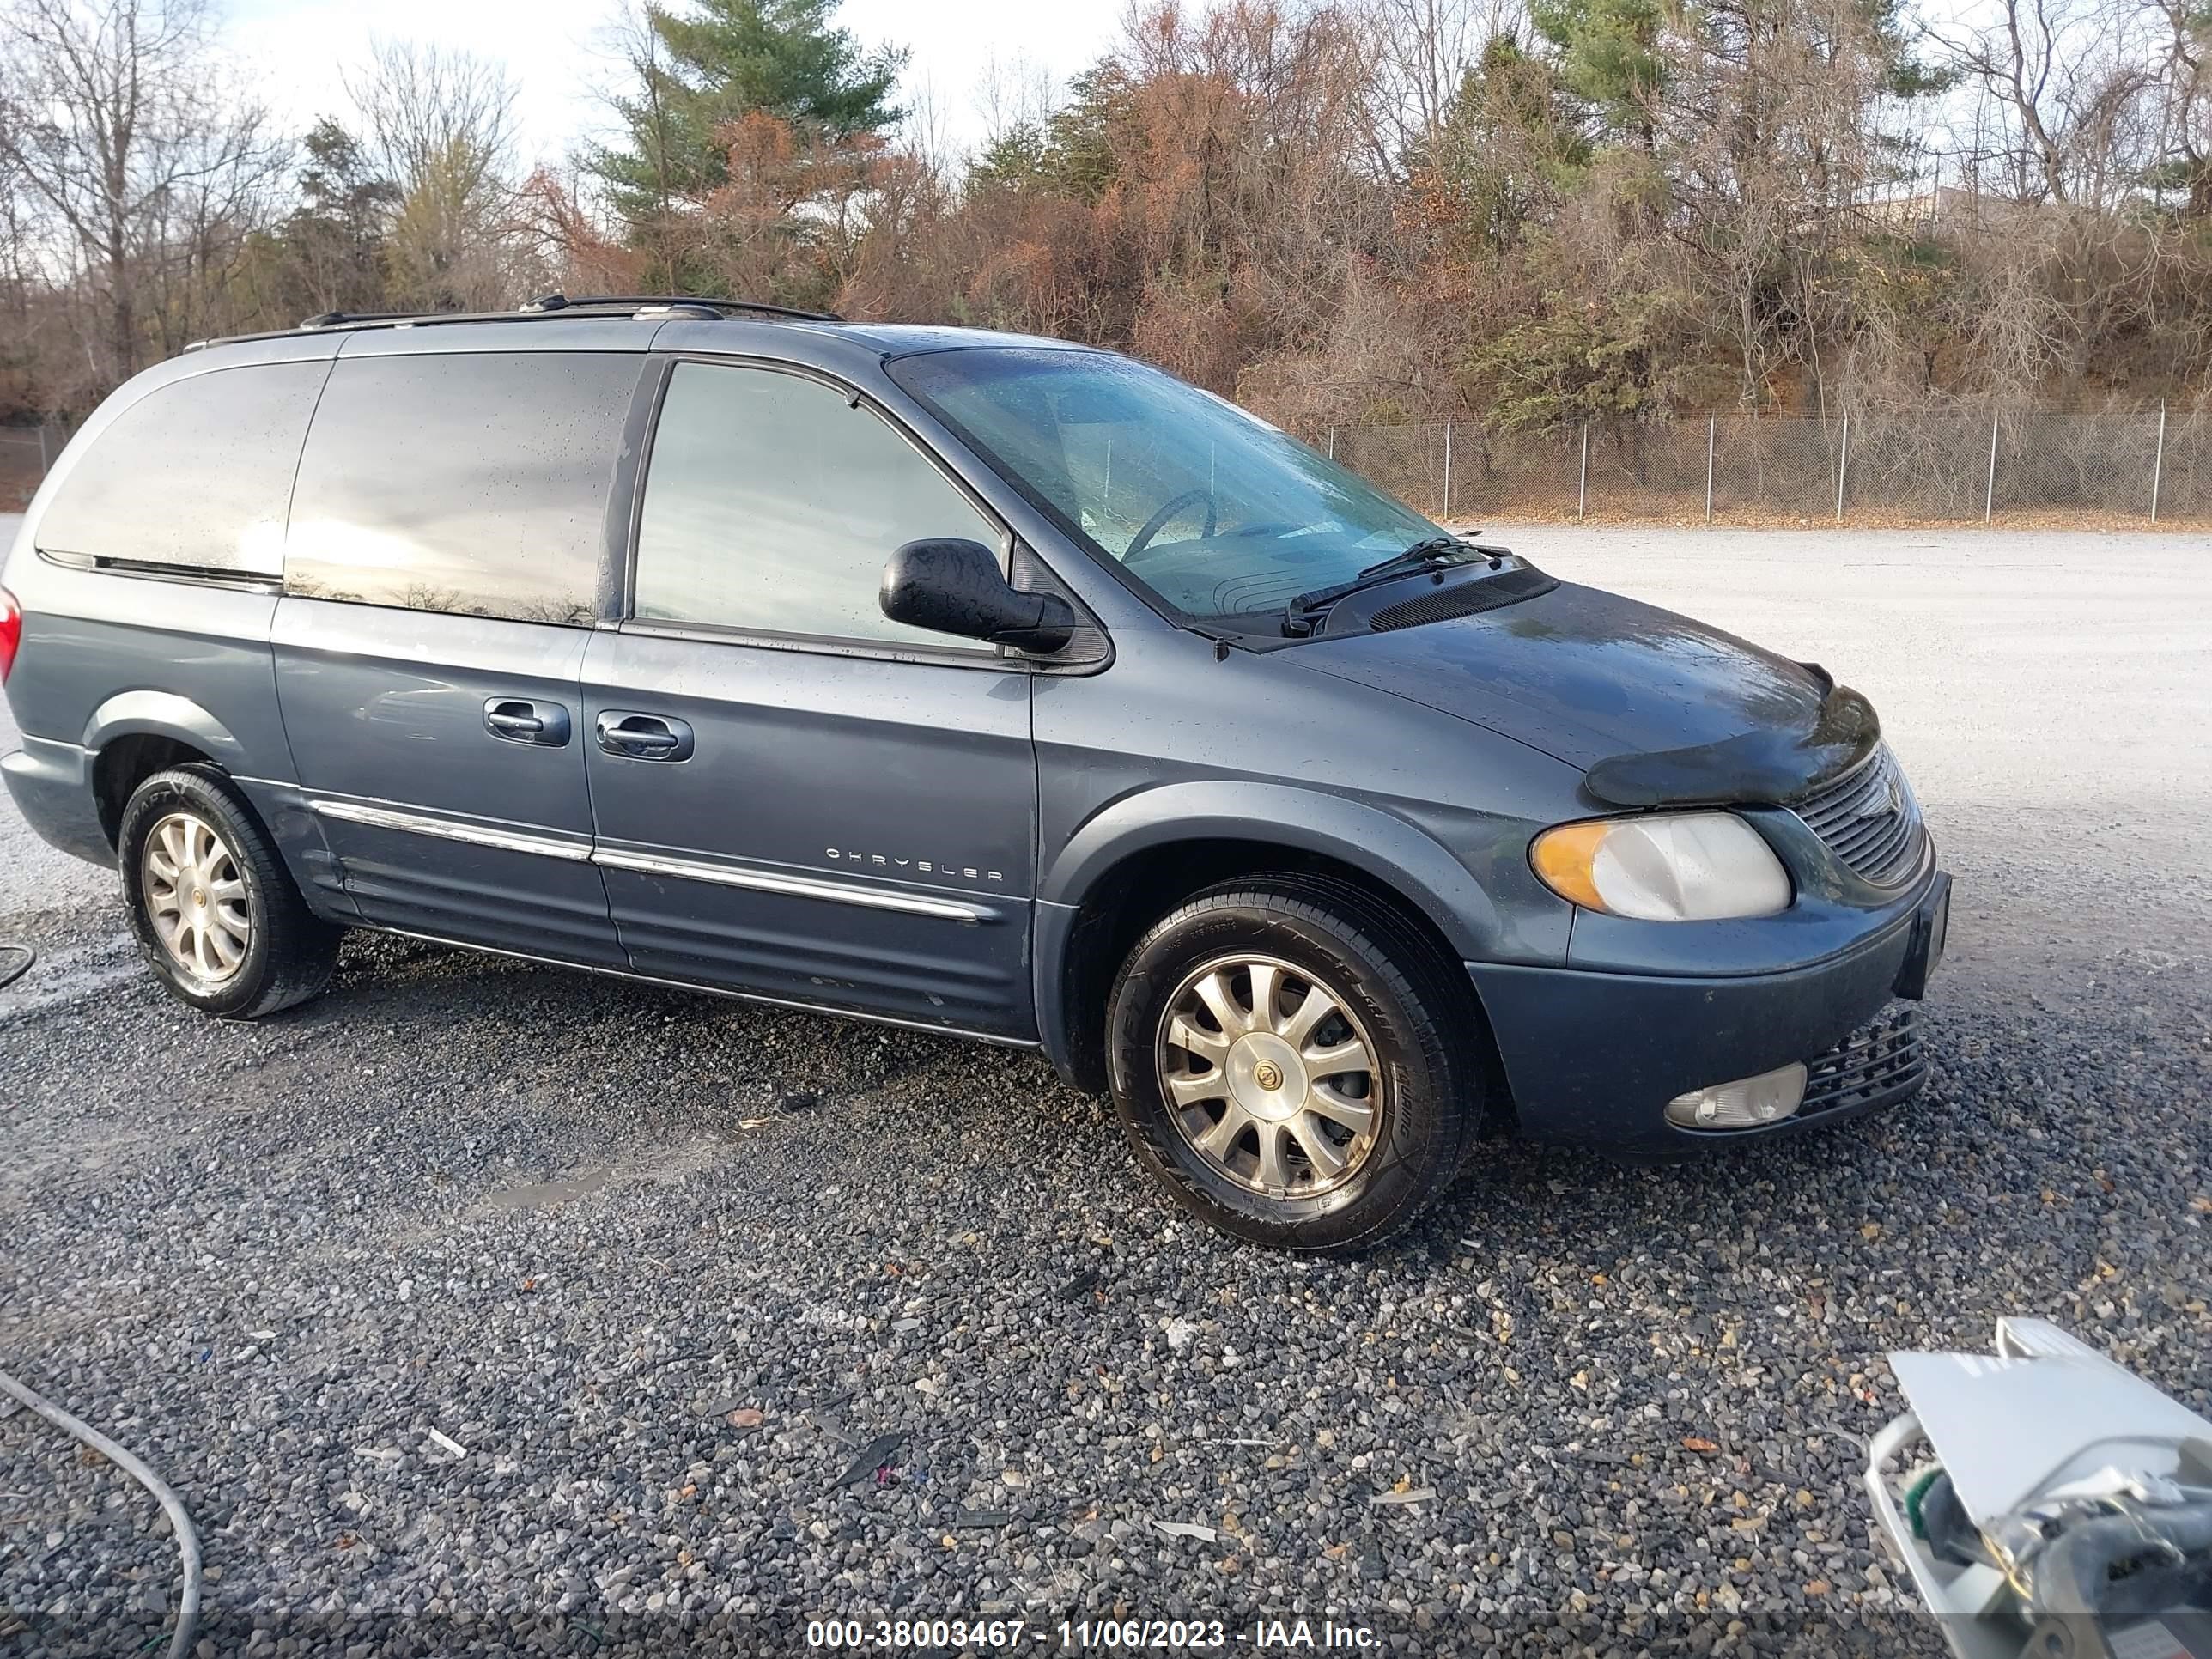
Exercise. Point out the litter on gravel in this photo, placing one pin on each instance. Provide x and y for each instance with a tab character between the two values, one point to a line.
876	1455
1185	1529
1412	1494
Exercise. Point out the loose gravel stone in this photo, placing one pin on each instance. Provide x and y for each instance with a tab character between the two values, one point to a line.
512	1207
667	1268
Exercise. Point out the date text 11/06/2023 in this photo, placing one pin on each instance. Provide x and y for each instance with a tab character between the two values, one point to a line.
1120	1635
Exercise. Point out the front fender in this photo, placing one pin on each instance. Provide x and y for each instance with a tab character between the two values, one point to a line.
1387	847
1391	849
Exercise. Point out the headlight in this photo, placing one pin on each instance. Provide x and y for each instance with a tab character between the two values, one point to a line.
1675	867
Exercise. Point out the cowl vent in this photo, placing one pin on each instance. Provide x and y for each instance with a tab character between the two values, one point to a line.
1464	599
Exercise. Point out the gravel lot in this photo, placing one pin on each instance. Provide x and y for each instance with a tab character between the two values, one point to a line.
742	1318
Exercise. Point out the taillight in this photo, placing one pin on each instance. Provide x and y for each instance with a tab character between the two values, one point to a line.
11	630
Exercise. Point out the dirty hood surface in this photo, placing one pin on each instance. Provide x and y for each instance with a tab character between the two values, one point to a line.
1657	707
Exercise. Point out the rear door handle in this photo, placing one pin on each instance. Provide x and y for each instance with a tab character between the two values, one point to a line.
644	737
518	720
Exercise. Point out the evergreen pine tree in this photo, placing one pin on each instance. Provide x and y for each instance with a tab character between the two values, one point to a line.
710	62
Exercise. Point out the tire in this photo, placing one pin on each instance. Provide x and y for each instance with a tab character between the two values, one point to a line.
189	845
1180	1071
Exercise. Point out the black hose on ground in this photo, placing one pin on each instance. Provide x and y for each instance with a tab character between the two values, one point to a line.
188	1541
10	971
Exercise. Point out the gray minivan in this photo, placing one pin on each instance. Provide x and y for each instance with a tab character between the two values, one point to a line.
988	684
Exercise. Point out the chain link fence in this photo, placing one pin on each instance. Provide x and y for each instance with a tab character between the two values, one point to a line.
26	453
2025	468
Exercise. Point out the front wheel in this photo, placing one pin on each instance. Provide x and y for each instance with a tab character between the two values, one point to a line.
1287	1055
216	913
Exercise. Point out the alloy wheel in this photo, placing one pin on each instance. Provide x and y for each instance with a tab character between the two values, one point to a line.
1269	1076
196	897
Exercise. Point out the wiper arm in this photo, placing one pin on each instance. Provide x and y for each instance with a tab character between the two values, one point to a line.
1420	555
1433	553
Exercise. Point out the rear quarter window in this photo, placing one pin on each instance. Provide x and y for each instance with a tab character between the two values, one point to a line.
195	474
474	483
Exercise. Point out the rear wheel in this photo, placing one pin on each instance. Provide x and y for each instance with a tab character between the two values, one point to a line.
1283	1053
214	911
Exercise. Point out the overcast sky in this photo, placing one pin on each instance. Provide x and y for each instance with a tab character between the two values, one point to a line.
557	50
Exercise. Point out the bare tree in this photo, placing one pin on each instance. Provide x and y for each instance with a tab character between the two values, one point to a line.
2184	32
925	131
118	117
1423	50
2066	79
1013	95
634	83
15	227
439	125
420	104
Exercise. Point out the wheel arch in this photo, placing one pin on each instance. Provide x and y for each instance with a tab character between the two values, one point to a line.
1133	861
135	734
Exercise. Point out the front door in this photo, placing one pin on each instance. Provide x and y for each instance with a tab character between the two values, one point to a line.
794	797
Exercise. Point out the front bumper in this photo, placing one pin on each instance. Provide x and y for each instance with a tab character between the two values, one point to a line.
51	784
1592	1058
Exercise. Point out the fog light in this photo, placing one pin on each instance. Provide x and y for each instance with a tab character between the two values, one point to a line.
1744	1105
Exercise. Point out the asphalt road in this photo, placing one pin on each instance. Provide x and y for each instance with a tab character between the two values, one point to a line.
740	1318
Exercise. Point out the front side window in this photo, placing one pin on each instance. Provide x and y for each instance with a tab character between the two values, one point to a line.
773	501
1216	512
475	483
196	474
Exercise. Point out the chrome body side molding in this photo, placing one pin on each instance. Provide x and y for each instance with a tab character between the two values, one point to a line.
384	818
835	892
654	864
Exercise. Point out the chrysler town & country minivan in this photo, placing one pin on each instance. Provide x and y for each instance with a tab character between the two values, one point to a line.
990	684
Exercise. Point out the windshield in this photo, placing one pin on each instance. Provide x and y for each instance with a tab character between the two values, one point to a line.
1216	512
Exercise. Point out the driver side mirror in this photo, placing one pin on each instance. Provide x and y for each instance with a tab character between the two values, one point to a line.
955	586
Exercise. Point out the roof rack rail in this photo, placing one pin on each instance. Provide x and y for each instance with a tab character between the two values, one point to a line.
546	304
707	301
336	319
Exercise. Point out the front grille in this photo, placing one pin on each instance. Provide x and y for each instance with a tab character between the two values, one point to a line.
1868	819
1879	1061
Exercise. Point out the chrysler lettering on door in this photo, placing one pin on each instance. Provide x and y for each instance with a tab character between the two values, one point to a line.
923	866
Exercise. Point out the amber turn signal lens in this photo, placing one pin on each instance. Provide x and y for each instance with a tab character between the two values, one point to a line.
1562	857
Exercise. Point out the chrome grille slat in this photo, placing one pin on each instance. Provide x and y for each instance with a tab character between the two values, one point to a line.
1846	814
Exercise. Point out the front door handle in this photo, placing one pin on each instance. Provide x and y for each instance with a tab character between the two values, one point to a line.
518	720
644	737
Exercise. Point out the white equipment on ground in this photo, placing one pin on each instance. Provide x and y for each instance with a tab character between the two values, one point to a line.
2059	1506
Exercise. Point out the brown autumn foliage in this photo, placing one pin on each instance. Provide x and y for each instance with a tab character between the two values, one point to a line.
1619	212
1224	196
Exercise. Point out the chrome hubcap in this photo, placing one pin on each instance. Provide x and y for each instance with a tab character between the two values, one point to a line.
1269	1076
196	897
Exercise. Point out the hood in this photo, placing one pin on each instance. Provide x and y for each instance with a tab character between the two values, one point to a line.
1657	709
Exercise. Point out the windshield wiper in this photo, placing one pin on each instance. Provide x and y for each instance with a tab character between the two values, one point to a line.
1419	557
1432	553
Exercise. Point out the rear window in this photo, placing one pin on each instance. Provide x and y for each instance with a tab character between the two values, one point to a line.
194	474
475	483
